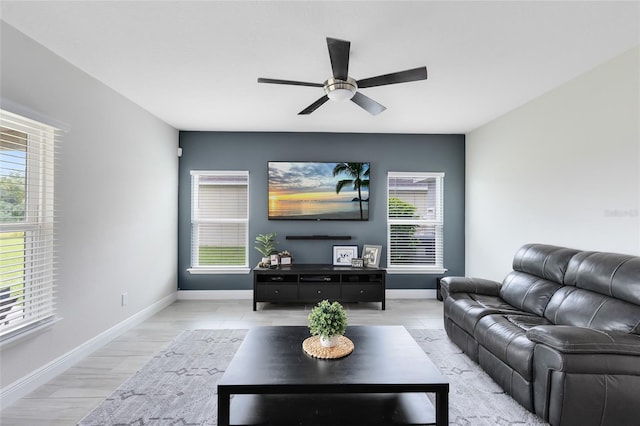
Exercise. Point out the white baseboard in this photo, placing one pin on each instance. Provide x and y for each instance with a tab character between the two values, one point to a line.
248	294
37	378
410	294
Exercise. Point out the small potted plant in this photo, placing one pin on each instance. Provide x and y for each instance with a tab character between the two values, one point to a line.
266	245
329	321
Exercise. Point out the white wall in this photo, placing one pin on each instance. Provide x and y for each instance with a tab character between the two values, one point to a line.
117	198
562	169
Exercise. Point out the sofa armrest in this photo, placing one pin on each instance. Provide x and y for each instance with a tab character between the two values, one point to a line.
469	285
576	340
574	364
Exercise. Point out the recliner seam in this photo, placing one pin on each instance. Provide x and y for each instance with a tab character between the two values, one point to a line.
564	299
595	313
544	265
529	290
604	403
613	274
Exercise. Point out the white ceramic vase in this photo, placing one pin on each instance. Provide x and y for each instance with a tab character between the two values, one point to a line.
329	342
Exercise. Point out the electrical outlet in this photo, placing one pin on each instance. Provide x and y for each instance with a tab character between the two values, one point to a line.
125	299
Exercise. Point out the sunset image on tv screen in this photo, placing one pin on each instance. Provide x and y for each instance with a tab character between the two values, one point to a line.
318	190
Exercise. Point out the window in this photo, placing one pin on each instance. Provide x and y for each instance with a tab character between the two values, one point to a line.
415	222
219	222
27	238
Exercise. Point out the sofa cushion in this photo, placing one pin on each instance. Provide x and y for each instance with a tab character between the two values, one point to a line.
505	337
538	271
466	309
527	292
611	274
583	308
543	260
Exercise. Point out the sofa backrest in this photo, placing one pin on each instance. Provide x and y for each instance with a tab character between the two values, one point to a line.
538	272
611	274
544	261
602	291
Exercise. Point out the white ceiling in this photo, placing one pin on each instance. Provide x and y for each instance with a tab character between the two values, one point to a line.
195	64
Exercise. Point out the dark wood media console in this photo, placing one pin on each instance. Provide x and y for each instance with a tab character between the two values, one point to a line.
307	283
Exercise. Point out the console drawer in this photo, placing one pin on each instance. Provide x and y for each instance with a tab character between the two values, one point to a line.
317	292
361	293
276	292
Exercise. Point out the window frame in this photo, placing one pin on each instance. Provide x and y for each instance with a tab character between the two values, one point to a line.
438	222
197	221
34	305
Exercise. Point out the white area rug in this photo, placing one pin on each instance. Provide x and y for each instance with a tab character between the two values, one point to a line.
178	386
474	398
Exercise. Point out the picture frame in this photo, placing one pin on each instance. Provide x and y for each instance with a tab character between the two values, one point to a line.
342	255
371	255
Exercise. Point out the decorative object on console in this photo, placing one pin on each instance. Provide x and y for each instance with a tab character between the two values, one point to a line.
339	192
285	258
266	244
329	321
357	262
275	260
342	255
371	255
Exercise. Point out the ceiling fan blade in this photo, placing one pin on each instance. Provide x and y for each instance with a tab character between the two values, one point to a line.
339	55
314	106
393	78
290	82
368	104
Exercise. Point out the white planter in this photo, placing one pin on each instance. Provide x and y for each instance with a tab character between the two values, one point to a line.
266	260
329	342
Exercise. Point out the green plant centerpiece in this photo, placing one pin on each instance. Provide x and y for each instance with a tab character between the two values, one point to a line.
266	244
329	321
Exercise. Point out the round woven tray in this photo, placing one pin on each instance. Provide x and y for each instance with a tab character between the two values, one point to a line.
314	348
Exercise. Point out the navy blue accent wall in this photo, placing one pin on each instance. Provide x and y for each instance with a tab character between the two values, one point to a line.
385	152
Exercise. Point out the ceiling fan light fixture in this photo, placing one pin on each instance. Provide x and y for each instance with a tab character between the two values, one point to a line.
340	90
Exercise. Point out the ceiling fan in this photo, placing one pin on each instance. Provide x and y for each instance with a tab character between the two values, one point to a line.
341	87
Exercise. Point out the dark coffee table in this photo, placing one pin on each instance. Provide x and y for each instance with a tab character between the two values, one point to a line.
384	381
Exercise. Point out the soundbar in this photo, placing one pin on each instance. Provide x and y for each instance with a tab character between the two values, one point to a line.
318	237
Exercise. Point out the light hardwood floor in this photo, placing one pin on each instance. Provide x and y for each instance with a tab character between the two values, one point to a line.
66	399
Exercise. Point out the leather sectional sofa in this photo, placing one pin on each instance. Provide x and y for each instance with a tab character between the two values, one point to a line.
560	334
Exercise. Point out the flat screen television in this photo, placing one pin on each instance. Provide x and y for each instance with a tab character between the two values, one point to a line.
308	190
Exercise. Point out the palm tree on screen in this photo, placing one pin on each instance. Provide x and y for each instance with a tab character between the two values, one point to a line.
359	174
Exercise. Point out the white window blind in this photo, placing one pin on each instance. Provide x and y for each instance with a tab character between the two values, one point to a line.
220	221
415	222
27	224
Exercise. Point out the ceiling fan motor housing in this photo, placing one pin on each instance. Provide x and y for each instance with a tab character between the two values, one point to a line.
340	90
